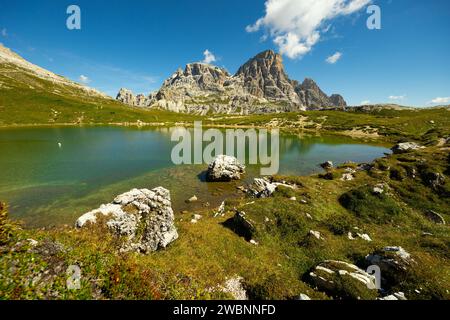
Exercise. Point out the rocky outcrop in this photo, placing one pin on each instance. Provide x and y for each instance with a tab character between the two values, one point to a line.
245	226
340	279
261	188
224	168
261	85
264	77
264	188
235	287
338	101
405	147
314	98
127	97
394	263
142	218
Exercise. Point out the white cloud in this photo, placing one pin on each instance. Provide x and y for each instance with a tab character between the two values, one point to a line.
334	58
4	32
403	97
296	25
440	100
365	102
84	79
209	57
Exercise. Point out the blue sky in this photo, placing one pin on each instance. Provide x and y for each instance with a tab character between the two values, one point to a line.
137	44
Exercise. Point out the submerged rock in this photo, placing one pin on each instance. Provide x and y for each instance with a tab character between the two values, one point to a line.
225	168
143	218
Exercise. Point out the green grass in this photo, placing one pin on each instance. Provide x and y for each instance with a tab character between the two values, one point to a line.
214	249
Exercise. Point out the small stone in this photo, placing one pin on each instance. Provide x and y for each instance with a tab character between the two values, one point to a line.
192	199
365	237
347	177
315	234
220	210
378	189
254	242
32	242
303	297
293	198
327	165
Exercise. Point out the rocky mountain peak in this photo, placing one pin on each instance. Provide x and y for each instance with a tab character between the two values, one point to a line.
260	85
127	96
264	77
200	69
309	84
264	64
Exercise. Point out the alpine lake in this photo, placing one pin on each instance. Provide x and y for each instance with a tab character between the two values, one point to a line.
52	175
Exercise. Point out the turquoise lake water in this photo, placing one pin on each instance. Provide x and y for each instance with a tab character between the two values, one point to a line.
45	184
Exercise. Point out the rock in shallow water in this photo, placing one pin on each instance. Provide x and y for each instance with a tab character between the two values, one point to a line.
144	218
225	168
327	165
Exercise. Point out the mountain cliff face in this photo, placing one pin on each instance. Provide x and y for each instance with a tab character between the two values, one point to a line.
264	77
261	85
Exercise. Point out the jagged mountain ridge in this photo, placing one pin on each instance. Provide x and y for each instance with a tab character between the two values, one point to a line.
260	85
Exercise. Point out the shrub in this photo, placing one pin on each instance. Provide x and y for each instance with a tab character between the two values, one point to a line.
340	224
284	192
7	229
398	173
364	204
271	288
